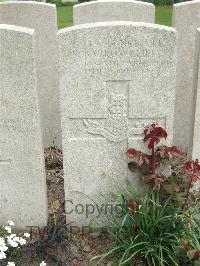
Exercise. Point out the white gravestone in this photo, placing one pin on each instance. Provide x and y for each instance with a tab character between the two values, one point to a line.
195	145
186	19
44	1
113	10
23	196
42	18
115	79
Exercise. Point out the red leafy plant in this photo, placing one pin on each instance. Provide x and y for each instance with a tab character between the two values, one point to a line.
157	154
179	186
192	174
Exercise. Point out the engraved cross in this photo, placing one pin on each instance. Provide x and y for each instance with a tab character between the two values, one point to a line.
119	129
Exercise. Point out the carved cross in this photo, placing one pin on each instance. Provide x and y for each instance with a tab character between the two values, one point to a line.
120	130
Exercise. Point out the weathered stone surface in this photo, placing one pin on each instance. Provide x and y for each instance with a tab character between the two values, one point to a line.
195	143
42	18
28	0
113	10
186	19
115	79
23	196
69	1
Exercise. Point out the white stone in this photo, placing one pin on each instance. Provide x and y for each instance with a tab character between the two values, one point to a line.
23	197
113	10
115	79
69	1
26	0
186	19
195	144
42	18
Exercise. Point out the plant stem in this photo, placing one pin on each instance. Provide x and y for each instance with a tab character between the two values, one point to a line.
186	204
153	161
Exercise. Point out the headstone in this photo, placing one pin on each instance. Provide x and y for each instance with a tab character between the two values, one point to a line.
113	10
69	1
42	18
116	78
195	143
186	19
25	0
23	196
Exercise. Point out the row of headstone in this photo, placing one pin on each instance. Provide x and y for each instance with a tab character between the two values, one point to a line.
103	81
186	20
106	11
115	78
42	18
22	174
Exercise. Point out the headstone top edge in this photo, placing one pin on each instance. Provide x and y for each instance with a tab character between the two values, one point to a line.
117	23
183	4
28	3
114	1
17	29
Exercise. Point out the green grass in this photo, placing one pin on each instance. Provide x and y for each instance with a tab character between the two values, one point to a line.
164	15
65	19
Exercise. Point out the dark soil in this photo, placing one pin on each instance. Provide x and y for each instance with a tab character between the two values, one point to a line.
55	244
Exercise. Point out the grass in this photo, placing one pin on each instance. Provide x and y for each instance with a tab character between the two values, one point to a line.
65	18
164	15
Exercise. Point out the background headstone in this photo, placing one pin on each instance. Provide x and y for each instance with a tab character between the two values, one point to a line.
69	1
186	19
25	0
116	78
23	196
195	144
113	10
42	18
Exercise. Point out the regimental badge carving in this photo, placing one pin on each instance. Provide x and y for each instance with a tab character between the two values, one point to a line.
118	126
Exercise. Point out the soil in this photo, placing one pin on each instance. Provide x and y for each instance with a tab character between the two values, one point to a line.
55	244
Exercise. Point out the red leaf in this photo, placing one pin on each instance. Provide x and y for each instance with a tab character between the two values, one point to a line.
196	165
131	153
166	151
192	169
195	254
153	134
139	157
194	178
188	165
193	166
